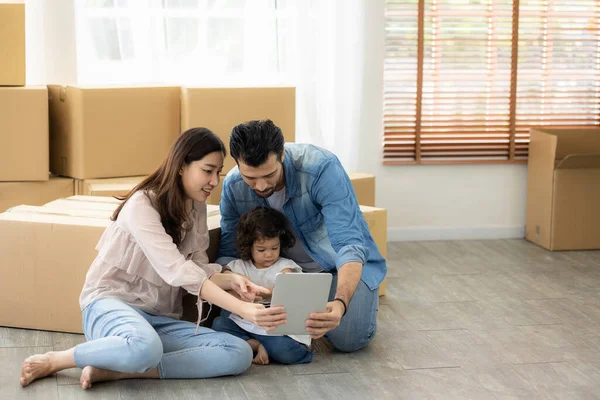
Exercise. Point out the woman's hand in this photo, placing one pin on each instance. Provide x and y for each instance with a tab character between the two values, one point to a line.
246	290
267	318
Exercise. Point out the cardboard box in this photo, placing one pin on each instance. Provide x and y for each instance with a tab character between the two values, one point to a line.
45	260
563	189
110	187
12	44
34	193
23	133
108	132
377	220
46	254
364	188
220	109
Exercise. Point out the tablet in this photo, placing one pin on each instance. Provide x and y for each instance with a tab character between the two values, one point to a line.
300	295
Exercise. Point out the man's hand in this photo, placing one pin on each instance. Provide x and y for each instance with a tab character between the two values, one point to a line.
319	324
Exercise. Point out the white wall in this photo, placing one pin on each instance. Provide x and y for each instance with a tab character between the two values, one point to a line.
427	201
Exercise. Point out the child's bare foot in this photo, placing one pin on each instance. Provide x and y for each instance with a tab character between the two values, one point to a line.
36	367
262	357
90	375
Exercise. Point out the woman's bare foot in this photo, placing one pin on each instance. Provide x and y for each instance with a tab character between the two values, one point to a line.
90	375
41	365
262	357
36	367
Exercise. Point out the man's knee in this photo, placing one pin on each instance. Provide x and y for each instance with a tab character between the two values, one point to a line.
349	342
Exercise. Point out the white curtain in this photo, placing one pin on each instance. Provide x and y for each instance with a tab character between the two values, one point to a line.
329	75
315	45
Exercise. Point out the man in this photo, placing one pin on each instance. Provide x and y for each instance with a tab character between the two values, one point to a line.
309	185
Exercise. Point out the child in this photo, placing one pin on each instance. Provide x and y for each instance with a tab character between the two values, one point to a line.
261	234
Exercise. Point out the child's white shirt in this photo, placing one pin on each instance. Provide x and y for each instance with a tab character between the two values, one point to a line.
264	277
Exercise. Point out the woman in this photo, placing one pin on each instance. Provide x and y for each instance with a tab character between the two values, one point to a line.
131	301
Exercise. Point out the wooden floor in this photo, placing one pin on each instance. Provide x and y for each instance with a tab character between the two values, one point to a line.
461	320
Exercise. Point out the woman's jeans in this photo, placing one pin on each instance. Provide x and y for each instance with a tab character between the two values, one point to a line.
125	339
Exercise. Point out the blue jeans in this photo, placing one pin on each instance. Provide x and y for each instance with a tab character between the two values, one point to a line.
359	325
282	349
124	339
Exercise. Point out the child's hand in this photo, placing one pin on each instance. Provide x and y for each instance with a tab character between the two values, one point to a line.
247	290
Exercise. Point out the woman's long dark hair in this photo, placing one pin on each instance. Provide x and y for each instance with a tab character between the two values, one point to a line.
169	196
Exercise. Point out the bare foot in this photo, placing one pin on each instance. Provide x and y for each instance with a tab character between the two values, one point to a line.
262	357
90	375
36	367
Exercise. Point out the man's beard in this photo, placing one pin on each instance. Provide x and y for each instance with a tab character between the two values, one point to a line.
265	194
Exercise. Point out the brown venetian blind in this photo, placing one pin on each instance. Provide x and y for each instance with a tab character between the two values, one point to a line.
466	79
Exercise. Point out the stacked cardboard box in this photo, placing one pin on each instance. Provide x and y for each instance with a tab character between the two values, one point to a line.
111	132
46	253
34	193
12	44
377	220
24	142
220	109
111	187
364	188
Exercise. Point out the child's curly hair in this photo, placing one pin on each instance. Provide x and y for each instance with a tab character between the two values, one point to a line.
259	224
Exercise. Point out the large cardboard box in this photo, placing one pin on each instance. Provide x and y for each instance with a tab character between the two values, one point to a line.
110	187
377	220
108	132
33	193
364	188
45	260
46	254
220	109
23	132
12	44
563	189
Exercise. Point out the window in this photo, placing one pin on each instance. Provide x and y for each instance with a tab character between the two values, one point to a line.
208	42
464	80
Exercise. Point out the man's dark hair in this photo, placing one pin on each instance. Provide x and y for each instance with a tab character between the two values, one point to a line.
259	224
253	141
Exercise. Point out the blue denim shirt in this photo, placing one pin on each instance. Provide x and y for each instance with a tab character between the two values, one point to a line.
321	206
